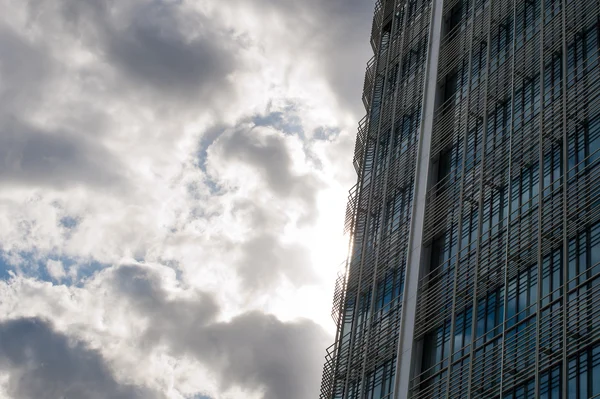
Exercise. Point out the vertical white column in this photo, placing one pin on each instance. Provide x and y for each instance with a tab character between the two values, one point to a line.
405	358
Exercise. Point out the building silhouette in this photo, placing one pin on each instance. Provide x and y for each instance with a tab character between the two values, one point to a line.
474	264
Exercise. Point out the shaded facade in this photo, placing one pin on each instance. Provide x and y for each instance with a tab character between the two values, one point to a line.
474	265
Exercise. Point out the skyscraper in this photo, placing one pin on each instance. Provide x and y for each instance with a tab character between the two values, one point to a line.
474	264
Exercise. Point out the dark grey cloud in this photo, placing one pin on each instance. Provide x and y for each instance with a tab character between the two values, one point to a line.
259	351
38	155
44	364
35	156
158	45
144	288
154	50
25	69
255	351
345	30
269	155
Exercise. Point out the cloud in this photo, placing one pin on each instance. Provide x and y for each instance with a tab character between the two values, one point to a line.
25	71
328	41
273	191
204	146
271	154
154	50
43	363
261	352
341	30
144	287
265	259
141	315
57	159
164	46
55	269
253	350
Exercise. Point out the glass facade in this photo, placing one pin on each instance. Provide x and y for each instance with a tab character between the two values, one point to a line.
503	299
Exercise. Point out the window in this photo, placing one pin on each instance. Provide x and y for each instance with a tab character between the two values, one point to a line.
550	386
398	209
405	132
380	383
478	62
436	347
377	97
582	55
455	86
469	230
392	79
524	391
353	392
450	86
527	99
490	314
413	10
495	209
501	44
479	5
487	366
552	8
436	344
462	333
387	28
382	153
389	289
522	294
520	343
584	374
413	60
550	383
552	167
348	317
497	129
455	15
553	78
374	232
449	161
389	9
364	309
551	276
525	190
583	269
584	255
399	16
584	145
385	42
528	21
473	154
443	250
499	120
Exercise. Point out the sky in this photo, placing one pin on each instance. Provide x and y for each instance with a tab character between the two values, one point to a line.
173	183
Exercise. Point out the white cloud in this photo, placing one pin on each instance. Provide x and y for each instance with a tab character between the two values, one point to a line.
55	269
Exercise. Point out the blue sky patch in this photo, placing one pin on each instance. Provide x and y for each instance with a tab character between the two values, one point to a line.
69	222
32	265
288	123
